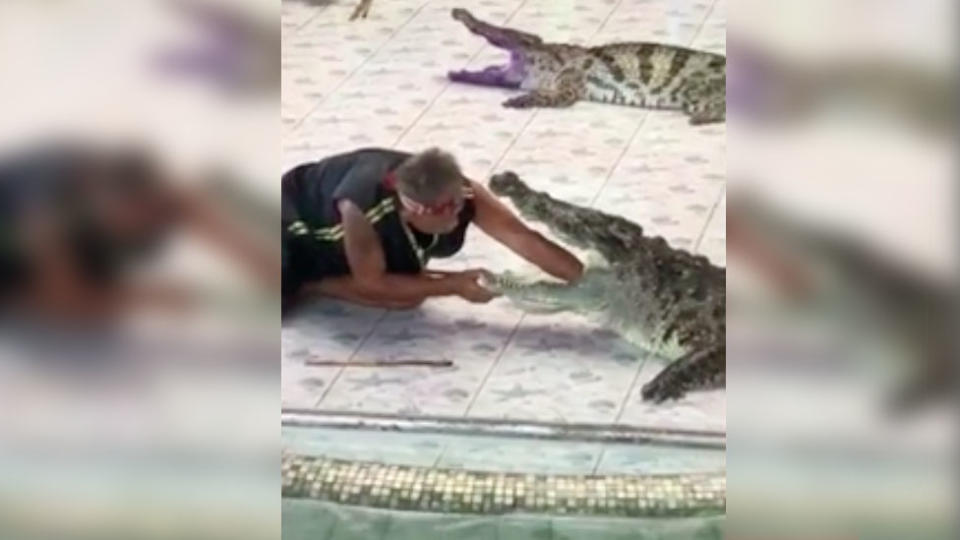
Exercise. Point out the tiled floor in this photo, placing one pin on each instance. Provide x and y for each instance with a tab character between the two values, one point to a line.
501	454
381	82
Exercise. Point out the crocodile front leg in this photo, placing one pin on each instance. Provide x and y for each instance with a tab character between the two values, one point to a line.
704	369
540	98
568	90
706	102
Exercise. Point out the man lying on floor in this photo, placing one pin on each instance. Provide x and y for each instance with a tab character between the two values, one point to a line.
362	226
76	219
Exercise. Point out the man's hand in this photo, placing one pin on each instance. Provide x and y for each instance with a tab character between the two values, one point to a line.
468	286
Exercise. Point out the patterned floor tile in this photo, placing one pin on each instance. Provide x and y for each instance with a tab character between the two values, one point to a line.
324	51
559	368
713	243
477	143
520	455
713	34
674	210
705	410
571	153
397	448
326	330
675	22
443	329
642	459
295	14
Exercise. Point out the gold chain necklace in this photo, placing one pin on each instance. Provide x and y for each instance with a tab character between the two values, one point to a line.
420	252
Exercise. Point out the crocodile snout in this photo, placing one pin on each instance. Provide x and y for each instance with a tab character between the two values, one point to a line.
461	15
506	183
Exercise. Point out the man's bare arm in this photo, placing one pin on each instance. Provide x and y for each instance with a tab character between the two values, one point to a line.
369	269
57	288
495	219
207	220
785	274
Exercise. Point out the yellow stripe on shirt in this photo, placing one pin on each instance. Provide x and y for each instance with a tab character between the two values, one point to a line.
335	233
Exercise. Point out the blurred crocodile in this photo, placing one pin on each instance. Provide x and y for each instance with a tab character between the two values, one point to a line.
237	50
659	298
638	74
866	294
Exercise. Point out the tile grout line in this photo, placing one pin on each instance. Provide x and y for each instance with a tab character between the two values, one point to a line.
397	142
343	81
493	365
623	153
446	85
693	38
636	377
502	157
493	167
600	456
637	130
516	327
376	324
596	197
723	189
631	388
356	350
706	224
703	230
703	23
320	10
436	462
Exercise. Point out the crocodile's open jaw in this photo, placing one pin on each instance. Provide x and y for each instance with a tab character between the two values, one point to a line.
510	75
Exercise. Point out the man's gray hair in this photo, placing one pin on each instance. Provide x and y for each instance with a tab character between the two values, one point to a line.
426	176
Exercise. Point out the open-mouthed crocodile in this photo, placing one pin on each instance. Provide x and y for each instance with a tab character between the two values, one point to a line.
639	74
661	299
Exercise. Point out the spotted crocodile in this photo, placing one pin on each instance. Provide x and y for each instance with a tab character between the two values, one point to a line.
639	74
661	299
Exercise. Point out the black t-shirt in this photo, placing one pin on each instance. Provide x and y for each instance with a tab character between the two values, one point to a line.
313	234
48	179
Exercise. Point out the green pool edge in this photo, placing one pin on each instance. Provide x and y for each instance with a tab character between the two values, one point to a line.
454	491
308	519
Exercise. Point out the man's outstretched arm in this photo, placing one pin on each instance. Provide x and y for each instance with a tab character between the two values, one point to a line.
495	219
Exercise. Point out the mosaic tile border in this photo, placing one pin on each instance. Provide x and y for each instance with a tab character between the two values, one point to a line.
427	489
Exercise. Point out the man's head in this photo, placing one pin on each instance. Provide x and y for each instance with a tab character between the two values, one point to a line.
430	185
126	193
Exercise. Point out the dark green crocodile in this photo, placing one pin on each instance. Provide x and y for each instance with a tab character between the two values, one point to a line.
662	299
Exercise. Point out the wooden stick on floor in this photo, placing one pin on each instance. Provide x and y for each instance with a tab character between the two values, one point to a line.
379	363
